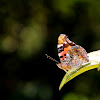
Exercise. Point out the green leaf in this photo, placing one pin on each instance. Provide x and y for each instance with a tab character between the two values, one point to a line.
94	60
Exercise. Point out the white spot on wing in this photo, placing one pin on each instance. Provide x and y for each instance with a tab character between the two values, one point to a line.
65	42
59	45
59	54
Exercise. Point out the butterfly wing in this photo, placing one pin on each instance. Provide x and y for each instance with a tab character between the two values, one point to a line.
70	54
78	56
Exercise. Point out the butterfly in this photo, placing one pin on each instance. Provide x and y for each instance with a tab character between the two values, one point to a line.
71	55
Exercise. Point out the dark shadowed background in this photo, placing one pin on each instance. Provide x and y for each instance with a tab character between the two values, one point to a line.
28	30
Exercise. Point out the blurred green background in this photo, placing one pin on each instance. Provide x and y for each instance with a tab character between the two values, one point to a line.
28	30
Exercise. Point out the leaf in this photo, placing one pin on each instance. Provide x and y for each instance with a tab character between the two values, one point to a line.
94	60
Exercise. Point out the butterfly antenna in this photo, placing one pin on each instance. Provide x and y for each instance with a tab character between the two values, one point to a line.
51	58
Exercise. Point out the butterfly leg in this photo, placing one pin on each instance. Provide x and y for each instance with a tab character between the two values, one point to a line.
67	72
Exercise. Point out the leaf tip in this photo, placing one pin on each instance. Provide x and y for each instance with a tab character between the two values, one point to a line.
60	87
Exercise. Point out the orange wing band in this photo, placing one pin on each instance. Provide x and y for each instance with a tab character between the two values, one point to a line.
65	52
